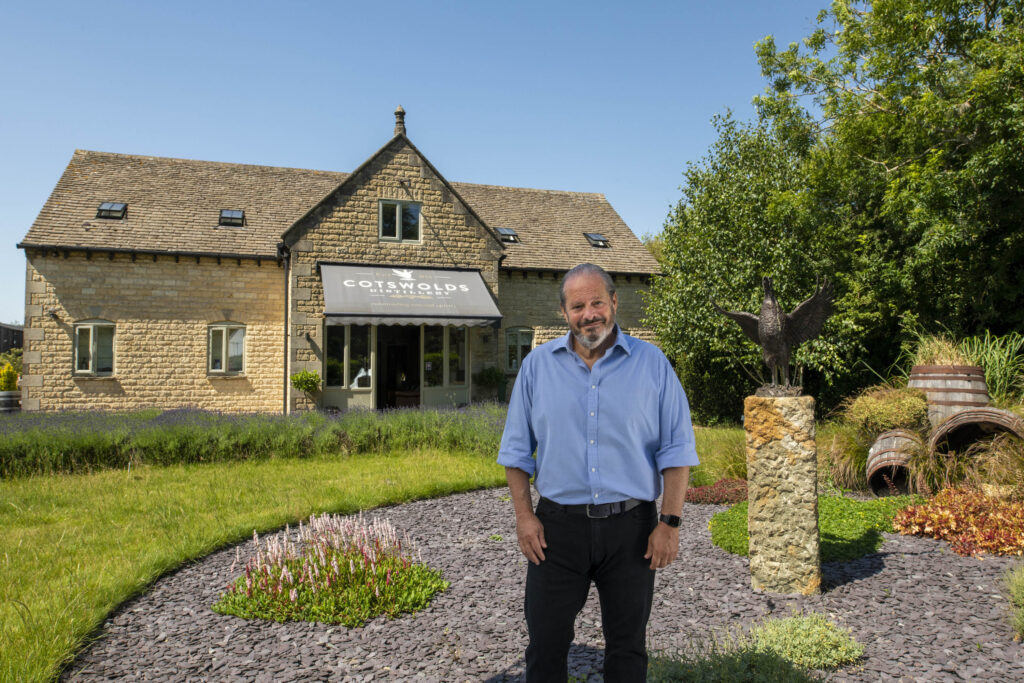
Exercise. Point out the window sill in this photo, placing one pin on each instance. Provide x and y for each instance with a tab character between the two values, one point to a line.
106	377
218	375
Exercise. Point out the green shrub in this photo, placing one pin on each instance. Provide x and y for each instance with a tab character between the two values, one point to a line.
848	528
808	641
8	378
741	663
1015	587
879	409
13	357
344	570
307	381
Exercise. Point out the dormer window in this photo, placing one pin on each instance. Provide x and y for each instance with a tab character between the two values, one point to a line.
232	217
508	235
596	239
114	210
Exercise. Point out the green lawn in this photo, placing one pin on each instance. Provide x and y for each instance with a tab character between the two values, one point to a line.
74	547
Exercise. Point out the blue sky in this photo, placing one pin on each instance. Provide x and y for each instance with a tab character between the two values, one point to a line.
595	96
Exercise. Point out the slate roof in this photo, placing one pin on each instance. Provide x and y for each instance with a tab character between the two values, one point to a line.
174	206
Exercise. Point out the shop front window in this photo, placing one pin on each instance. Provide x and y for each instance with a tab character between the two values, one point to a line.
433	356
347	356
445	355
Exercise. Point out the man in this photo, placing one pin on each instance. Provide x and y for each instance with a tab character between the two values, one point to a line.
609	421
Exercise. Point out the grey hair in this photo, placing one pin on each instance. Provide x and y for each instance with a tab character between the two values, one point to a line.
586	269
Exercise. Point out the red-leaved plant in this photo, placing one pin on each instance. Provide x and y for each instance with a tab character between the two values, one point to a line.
722	492
969	520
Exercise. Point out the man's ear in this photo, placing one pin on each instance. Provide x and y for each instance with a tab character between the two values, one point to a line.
561	309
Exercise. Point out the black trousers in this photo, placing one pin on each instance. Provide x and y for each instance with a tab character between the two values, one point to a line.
609	552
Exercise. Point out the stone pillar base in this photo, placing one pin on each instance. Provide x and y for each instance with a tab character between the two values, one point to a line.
782	479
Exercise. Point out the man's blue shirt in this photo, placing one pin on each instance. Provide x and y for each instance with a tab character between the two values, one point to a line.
601	435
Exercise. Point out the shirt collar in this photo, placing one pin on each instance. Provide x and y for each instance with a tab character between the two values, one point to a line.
621	340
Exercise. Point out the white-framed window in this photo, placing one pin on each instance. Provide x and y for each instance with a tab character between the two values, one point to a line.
445	356
347	356
94	348
226	354
398	221
518	343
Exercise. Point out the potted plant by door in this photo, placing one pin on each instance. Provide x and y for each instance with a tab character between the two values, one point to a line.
308	382
494	379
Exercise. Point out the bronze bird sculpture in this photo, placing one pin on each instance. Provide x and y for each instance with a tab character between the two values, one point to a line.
777	332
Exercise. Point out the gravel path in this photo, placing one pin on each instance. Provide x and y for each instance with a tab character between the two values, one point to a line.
923	613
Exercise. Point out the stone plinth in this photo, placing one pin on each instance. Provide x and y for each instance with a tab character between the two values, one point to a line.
782	478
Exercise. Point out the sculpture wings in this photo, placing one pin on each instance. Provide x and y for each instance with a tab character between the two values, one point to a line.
778	332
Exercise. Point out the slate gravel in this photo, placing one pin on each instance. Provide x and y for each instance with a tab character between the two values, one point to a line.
923	613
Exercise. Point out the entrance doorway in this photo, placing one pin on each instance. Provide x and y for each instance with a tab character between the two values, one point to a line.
398	352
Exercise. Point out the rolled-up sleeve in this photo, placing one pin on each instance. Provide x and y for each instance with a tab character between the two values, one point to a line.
518	442
678	443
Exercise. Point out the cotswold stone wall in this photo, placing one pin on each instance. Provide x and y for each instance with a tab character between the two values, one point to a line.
161	310
782	476
530	299
345	229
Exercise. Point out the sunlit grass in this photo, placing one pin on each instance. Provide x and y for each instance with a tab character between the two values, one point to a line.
723	455
76	546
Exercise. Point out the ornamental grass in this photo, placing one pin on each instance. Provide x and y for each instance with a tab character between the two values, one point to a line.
341	570
80	442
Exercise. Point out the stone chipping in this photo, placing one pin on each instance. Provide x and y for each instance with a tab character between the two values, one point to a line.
922	612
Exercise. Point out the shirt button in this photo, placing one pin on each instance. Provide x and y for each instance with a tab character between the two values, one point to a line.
591	441
591	413
595	495
593	386
593	469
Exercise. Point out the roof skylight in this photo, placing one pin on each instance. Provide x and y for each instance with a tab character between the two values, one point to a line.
596	239
508	235
112	210
232	217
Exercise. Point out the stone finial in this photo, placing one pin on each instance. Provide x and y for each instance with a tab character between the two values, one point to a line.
399	121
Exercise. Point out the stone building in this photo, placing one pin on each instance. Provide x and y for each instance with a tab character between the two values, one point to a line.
154	282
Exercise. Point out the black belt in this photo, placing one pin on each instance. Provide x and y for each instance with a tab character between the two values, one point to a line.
596	511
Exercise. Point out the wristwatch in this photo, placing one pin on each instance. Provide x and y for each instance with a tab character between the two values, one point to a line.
672	520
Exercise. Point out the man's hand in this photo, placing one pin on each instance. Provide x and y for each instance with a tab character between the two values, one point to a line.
662	546
530	533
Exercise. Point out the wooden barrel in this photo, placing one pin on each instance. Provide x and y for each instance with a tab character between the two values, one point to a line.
888	458
967	427
10	401
950	389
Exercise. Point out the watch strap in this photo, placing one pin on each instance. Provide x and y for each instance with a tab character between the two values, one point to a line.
672	520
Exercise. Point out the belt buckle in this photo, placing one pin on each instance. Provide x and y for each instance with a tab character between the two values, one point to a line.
607	514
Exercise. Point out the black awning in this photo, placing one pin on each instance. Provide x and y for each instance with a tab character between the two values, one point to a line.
380	295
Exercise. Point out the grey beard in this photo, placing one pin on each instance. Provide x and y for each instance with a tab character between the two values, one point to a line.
589	343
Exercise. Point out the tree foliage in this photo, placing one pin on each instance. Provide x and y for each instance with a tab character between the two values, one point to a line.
886	153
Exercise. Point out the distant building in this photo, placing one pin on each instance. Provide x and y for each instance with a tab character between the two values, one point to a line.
155	282
11	337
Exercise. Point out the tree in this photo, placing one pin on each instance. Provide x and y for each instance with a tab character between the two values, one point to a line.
920	105
902	179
